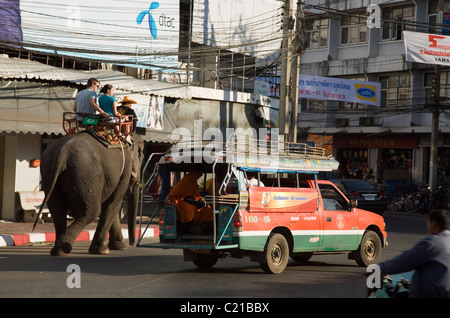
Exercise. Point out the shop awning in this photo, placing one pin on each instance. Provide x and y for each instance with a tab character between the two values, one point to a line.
33	97
13	68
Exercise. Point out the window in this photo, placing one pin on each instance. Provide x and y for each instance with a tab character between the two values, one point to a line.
444	88
395	20
396	91
331	199
313	105
433	15
353	30
316	33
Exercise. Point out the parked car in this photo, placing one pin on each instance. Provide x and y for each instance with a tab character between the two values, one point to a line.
368	196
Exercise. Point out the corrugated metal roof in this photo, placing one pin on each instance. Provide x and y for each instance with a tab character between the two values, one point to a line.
14	68
33	113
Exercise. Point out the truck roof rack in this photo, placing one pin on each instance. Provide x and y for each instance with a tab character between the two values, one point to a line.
243	145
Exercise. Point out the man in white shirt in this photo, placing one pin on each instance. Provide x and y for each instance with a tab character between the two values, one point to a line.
86	101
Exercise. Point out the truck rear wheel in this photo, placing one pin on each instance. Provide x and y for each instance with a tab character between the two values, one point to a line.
276	254
206	260
369	250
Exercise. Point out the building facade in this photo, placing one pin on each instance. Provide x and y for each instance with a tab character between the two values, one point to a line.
42	69
389	143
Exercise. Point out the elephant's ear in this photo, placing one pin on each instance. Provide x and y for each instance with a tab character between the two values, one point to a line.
138	151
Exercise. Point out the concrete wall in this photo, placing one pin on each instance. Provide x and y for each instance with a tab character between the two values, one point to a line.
15	171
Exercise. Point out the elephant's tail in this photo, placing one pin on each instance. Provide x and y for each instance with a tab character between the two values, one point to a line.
40	211
55	174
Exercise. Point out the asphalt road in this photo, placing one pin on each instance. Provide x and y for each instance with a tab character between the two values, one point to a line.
29	271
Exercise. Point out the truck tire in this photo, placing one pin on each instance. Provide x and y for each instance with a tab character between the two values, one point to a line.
369	250
206	260
276	254
301	257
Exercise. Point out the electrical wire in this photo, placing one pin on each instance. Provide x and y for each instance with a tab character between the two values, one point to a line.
255	23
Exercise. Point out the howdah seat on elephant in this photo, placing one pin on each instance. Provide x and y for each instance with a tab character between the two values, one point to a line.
108	131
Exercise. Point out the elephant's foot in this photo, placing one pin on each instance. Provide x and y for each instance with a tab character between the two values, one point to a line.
61	249
117	245
98	249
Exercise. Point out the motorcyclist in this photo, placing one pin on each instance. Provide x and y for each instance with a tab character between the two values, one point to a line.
429	258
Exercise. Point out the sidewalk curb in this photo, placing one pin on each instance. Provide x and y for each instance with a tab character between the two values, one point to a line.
27	238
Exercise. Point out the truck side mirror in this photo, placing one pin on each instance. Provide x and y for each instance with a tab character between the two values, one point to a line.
352	204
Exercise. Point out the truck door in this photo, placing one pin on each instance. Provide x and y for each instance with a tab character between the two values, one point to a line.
340	226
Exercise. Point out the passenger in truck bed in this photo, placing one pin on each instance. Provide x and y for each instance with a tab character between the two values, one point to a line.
191	207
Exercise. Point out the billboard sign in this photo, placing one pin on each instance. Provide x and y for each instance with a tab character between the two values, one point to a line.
248	27
345	90
427	48
137	33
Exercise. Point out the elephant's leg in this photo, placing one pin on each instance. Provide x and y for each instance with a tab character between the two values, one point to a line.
59	216
107	218
65	242
115	235
83	215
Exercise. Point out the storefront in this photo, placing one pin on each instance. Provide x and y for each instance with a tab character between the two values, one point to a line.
384	159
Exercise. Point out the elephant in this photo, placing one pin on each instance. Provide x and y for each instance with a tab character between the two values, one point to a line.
83	178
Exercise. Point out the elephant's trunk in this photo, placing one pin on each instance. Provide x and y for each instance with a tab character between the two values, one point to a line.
132	203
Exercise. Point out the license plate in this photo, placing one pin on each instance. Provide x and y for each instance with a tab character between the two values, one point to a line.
369	196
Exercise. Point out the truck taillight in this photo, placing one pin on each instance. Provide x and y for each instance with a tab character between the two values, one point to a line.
354	195
237	223
161	220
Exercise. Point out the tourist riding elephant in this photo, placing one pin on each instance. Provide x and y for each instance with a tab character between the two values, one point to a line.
83	178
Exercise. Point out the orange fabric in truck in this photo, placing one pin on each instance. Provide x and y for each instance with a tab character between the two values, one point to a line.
188	187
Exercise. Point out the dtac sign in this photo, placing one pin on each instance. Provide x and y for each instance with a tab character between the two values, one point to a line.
137	33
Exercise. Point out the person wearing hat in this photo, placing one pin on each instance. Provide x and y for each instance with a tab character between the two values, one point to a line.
125	109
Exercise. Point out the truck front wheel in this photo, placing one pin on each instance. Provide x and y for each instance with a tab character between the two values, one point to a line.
276	254
369	250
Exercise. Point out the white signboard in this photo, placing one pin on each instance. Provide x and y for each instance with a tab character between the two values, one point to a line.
427	48
149	110
136	33
339	89
250	27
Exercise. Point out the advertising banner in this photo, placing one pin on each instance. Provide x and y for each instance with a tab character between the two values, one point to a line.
149	110
446	23
295	199
427	48
340	89
137	33
249	27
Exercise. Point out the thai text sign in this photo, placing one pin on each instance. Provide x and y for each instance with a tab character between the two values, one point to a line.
339	89
292	200
382	141
132	33
427	48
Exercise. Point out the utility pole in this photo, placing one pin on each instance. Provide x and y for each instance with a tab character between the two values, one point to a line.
286	60
298	51
435	119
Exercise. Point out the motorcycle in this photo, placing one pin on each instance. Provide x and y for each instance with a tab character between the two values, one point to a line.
398	203
392	286
439	198
419	202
